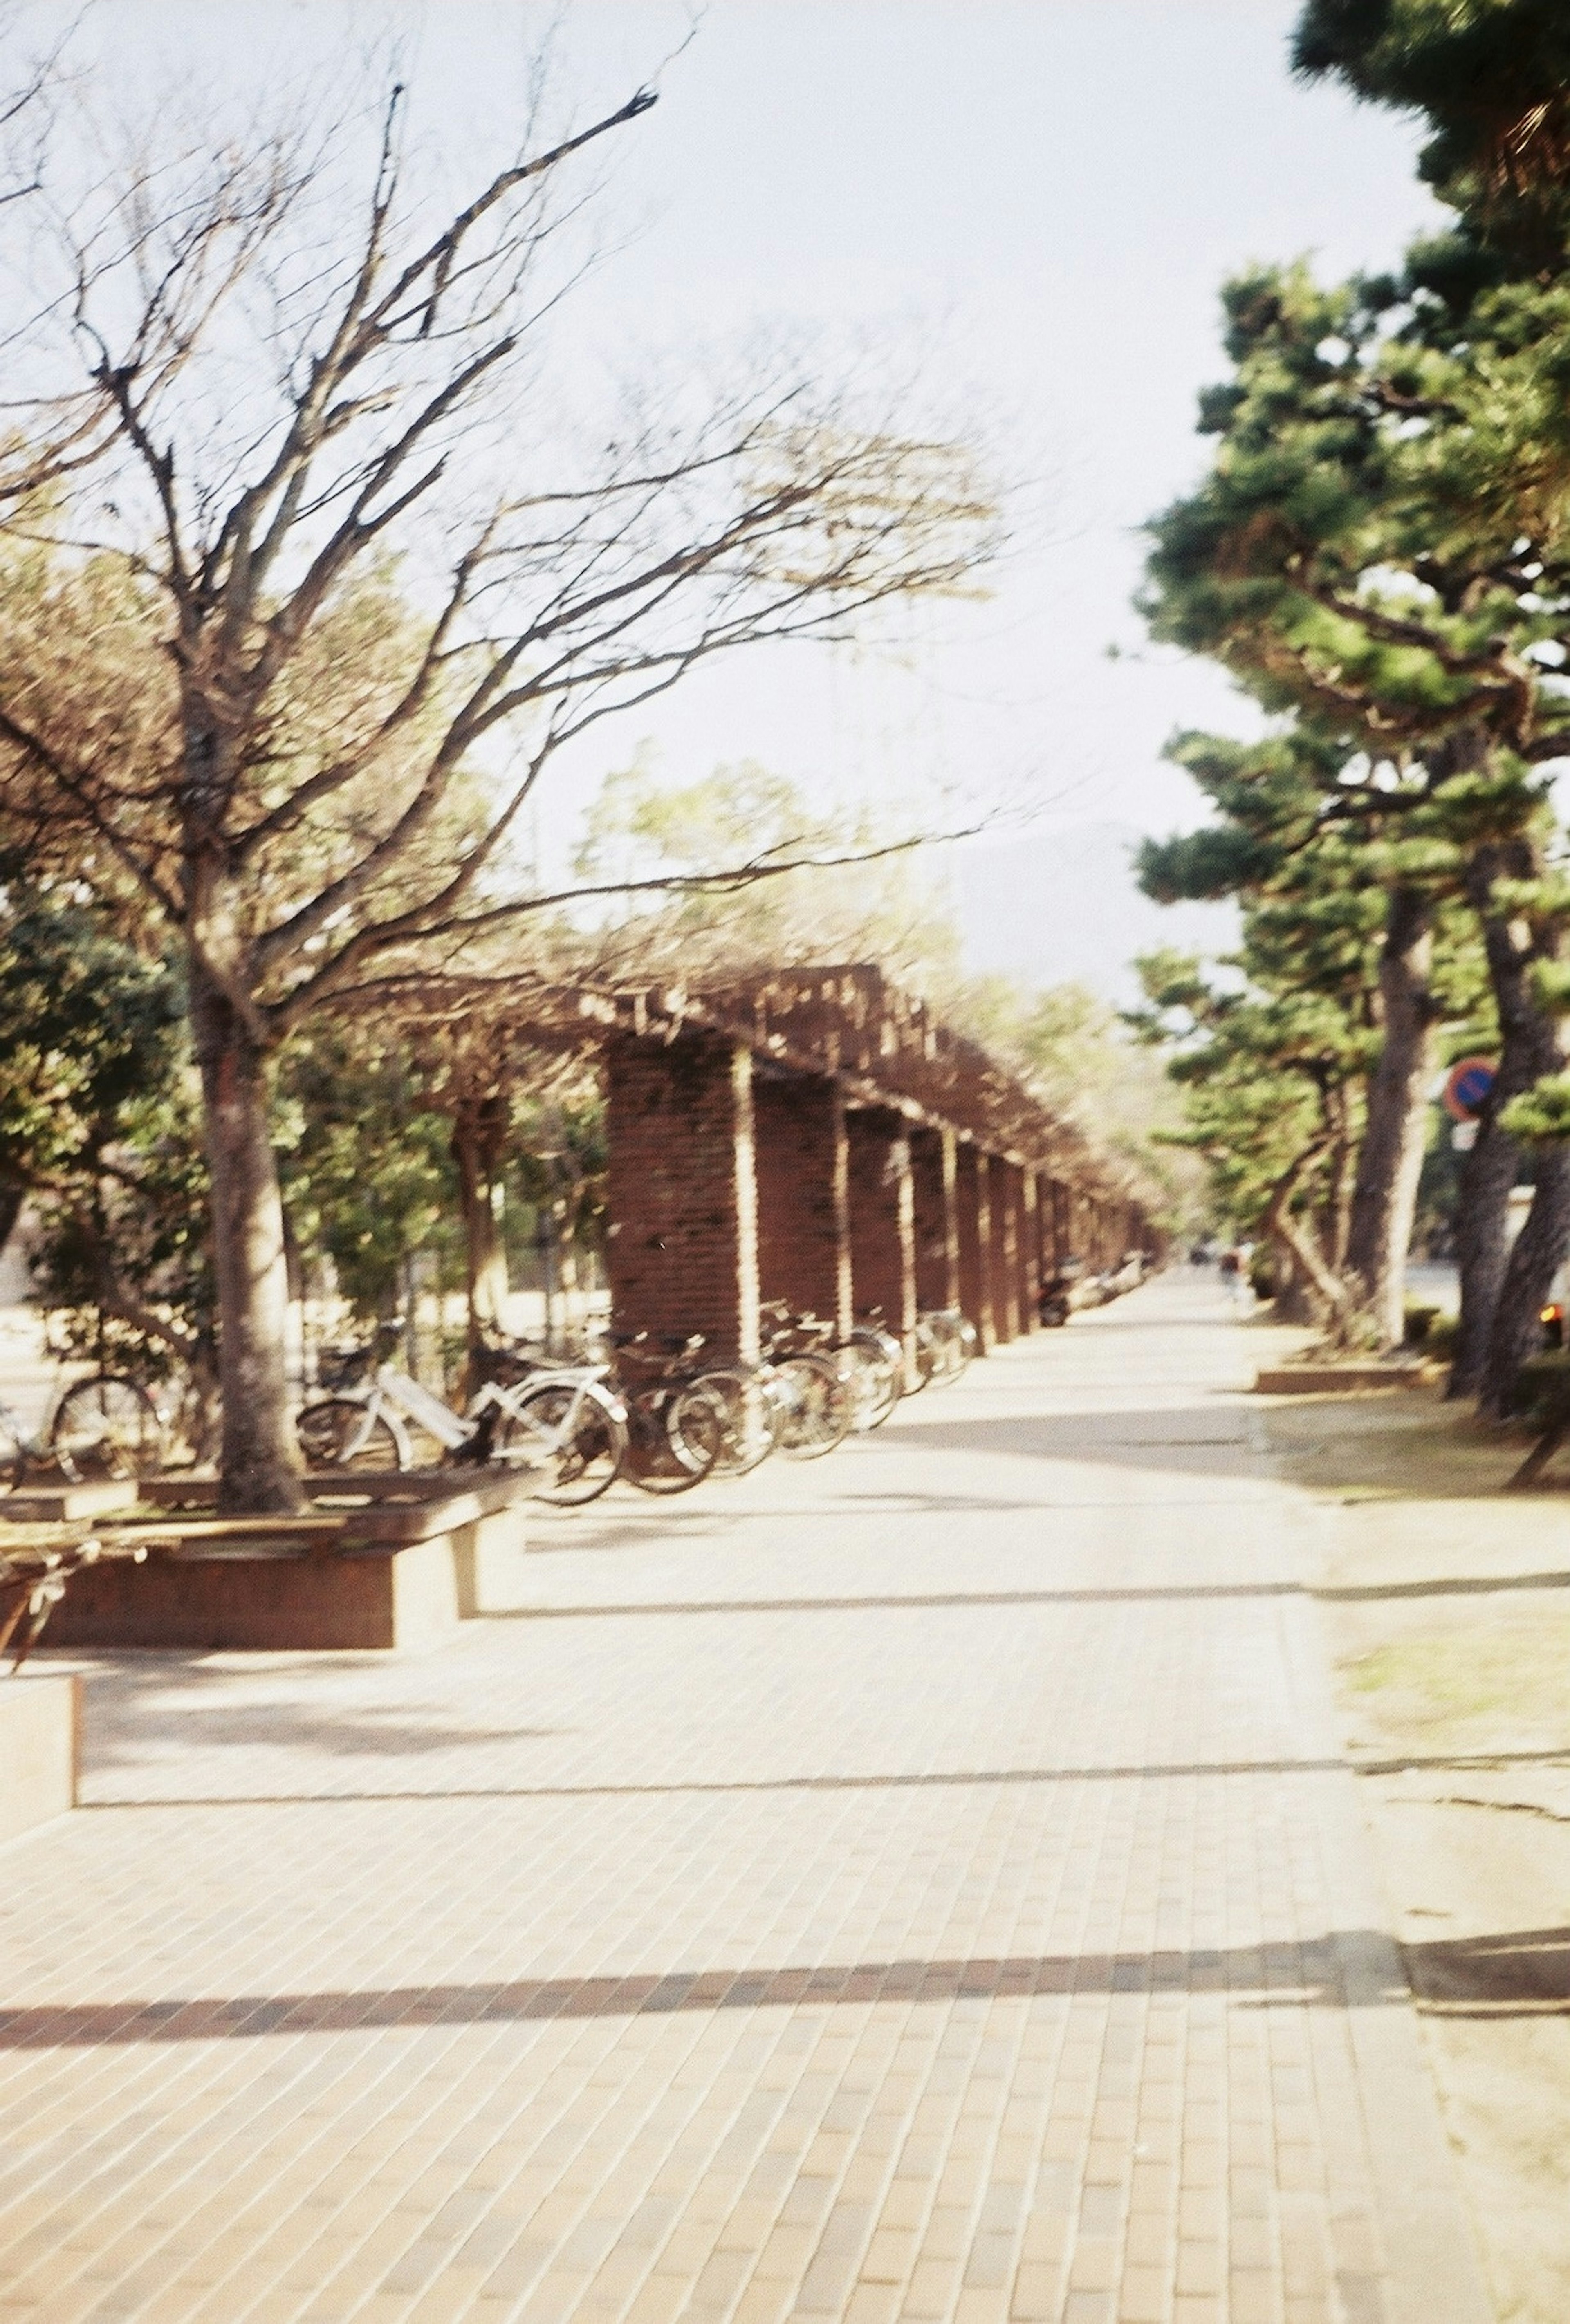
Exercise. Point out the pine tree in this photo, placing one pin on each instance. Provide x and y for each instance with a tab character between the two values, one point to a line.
1361	557
1295	814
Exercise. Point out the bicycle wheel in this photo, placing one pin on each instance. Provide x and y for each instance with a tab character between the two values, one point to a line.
873	1381
106	1427
818	1407
928	1361
661	1460
575	1455
950	1348
15	1465
337	1433
744	1405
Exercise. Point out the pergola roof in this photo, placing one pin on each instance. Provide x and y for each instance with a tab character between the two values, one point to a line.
884	1047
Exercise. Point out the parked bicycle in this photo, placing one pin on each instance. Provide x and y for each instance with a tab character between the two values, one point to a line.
563	1424
945	1344
566	1422
814	1391
675	1426
104	1426
877	1358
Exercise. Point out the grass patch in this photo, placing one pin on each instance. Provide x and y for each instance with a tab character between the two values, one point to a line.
1479	1685
1408	1445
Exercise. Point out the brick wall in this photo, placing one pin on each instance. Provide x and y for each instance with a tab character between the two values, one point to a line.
882	1218
1030	1254
726	1184
682	1252
1005	1201
804	1250
974	1219
1055	1244
933	1191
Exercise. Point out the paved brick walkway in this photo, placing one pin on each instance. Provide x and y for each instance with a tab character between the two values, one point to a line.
917	1885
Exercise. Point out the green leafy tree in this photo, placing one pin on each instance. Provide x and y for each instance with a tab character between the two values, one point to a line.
1297	827
1272	1088
99	1131
367	1173
1278	1057
1363	563
1493	78
1493	389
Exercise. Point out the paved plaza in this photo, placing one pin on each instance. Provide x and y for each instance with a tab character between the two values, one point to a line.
919	1884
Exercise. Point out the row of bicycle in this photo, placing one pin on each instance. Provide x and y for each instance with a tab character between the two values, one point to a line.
656	1413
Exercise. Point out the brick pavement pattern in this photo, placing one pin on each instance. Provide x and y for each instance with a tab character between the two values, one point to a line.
922	1884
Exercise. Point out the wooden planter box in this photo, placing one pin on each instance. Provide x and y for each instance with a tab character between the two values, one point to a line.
40	1720
395	1561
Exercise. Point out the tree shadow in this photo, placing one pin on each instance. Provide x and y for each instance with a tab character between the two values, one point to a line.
159	1692
1523	1973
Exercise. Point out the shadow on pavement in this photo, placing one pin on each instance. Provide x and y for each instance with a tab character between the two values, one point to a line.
129	1700
1526	1972
1185	1438
926	1779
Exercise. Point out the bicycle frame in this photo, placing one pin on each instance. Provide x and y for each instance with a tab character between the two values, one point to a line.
394	1398
426	1410
589	1386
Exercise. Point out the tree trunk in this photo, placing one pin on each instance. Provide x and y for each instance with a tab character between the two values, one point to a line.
1535	1259
12	1198
1495	1331
1487	1177
1384	1200
260	1468
1293	1302
1320	1287
1335	1227
478	1139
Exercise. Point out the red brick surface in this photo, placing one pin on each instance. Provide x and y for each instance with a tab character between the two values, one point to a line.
882	1218
1007	1202
1031	1253
681	1191
800	1140
921	1884
936	1212
972	1203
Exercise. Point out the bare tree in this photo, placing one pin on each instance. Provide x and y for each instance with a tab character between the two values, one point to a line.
302	768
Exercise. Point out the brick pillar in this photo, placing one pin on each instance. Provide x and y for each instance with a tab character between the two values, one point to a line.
804	1246
975	1243
883	1219
1005	1185
682	1255
1031	1253
932	1172
1057	1242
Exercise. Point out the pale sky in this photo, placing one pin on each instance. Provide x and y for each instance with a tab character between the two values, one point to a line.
1039	196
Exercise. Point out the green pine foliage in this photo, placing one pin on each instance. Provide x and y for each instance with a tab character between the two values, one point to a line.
99	1130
